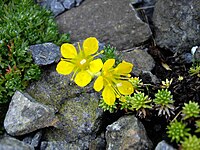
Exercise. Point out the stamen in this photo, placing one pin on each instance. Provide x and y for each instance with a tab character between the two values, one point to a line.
116	91
79	47
72	78
101	52
122	78
69	60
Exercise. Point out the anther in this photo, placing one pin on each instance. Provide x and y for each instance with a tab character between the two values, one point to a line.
83	61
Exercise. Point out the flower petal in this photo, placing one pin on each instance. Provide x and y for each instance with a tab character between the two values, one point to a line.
125	87
108	64
96	65
90	46
64	67
98	84
109	95
83	78
68	50
124	67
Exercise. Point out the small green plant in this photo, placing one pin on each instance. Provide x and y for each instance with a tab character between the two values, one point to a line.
140	102
109	53
166	84
191	143
191	110
110	108
22	24
164	102
125	102
197	126
177	131
136	82
195	69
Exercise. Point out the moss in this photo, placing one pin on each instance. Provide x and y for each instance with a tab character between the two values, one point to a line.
22	24
79	117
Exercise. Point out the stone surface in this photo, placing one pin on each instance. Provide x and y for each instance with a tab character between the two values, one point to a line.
197	54
45	54
25	115
68	4
99	143
141	60
186	58
33	139
149	78
36	139
9	143
58	145
134	2
127	133
77	107
177	24
78	2
164	146
108	21
57	7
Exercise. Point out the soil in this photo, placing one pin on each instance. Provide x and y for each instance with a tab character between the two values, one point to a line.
182	90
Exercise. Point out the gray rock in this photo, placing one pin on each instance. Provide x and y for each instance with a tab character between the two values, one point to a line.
99	143
80	116
45	54
9	143
56	7
127	133
197	54
186	58
141	60
77	107
164	146
25	115
149	78
78	2
27	140
36	139
68	4
33	139
133	2
108	21
177	24
58	145
45	3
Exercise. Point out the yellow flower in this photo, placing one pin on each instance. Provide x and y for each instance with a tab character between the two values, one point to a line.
81	62
114	81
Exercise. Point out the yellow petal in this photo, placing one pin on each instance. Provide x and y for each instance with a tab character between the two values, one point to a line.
109	95
96	65
83	78
98	84
64	67
124	67
125	87
68	51
108	64
90	46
